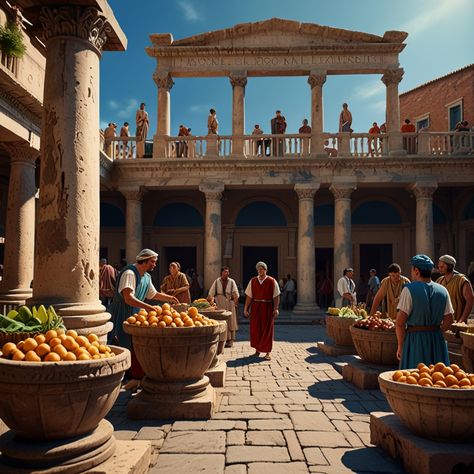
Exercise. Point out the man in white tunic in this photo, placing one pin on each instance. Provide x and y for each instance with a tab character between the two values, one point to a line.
346	294
225	294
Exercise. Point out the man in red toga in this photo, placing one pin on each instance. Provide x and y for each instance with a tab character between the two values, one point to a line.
261	305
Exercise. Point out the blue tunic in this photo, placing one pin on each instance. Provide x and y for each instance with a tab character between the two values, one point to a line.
427	346
120	310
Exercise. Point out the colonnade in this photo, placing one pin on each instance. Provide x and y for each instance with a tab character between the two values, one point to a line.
316	80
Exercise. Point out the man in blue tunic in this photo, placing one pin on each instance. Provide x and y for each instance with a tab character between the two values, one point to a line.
424	312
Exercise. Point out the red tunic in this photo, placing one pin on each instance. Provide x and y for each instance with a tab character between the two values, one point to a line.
261	315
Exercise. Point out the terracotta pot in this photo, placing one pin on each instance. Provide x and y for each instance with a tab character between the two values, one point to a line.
338	330
375	347
57	400
440	414
468	351
174	354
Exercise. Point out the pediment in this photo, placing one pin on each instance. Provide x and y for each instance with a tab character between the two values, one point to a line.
279	33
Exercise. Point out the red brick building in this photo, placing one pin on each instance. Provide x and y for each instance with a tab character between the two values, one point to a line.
441	103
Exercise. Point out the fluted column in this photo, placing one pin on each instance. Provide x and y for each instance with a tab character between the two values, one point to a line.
306	275
342	227
212	232
424	217
20	226
391	79
67	257
133	223
238	82
316	81
164	82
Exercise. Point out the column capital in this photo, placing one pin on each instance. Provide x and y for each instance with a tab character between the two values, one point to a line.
238	80
392	76
20	153
132	194
317	79
306	191
342	190
85	23
213	192
163	81
423	190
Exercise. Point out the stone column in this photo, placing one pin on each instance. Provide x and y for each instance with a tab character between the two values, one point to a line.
306	275
212	235
316	81
238	82
67	255
342	227
164	82
391	79
424	217
20	226
133	223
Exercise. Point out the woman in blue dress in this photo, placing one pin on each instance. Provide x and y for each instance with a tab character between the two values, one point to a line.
424	312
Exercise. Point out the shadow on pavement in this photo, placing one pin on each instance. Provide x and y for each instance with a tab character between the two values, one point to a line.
371	460
247	360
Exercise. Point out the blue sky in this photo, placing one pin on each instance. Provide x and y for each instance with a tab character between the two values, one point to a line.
439	41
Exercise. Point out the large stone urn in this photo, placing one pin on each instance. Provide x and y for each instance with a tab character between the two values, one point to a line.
440	414
375	347
467	351
55	412
338	330
174	361
218	368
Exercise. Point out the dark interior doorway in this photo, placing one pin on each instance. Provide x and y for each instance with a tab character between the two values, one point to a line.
186	256
378	256
252	255
324	258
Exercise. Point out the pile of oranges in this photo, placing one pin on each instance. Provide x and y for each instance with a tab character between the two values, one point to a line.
438	376
166	317
55	346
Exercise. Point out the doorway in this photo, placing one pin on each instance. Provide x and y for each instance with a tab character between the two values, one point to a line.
186	256
252	255
378	256
324	258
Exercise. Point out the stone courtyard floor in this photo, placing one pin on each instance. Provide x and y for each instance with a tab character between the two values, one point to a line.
293	414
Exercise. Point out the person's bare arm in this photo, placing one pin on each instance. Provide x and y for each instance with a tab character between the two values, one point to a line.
446	322
164	297
248	304
400	330
131	300
276	305
177	291
469	297
379	296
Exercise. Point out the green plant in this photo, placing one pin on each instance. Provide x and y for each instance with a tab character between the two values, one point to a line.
11	40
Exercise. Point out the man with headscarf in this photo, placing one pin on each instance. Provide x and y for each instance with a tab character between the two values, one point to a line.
134	287
424	312
262	299
458	286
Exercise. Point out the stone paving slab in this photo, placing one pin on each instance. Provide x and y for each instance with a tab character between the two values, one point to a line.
265	438
198	442
247	454
189	463
277	468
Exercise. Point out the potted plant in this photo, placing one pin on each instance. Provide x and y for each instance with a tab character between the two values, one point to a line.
11	40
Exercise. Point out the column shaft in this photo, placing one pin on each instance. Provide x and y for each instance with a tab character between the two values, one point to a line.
134	224
163	131
20	226
212	235
316	81
306	275
238	113
391	79
424	218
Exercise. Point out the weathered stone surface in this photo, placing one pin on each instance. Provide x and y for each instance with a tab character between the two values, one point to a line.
150	433
311	421
363	375
293	445
235	437
277	468
269	425
246	454
209	425
322	439
182	463
236	469
314	456
265	438
198	442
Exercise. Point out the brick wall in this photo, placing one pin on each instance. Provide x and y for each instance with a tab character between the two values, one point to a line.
434	97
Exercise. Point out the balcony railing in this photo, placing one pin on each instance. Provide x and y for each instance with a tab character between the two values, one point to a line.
293	146
9	62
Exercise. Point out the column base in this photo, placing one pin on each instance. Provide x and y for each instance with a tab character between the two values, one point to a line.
363	375
307	312
11	299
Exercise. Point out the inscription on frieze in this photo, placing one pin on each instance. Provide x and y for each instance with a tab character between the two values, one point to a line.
280	61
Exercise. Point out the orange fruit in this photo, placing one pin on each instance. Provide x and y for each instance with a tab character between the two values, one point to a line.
454	386
60	331
420	366
69	343
18	355
52	357
471	378
439	367
43	349
151	314
138	323
131	320
193	312
62	337
92	338
70	356
72	333
154	325
54	342
165	307
40	338
415	375
437	376
60	350
93	350
455	367
162	324
440	383
29	345
425	370
8	349
152	320
158	310
82	341
198	323
447	371
412	380
189	322
32	356
166	312
464	382
102	348
79	351
51	334
141	318
460	374
84	356
167	319
424	382
145	324
451	380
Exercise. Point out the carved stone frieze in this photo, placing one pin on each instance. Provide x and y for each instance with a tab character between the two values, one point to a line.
82	22
392	76
132	194
316	80
21	153
164	82
238	80
342	191
306	191
423	191
212	192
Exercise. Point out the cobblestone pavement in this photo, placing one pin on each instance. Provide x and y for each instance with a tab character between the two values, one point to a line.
293	414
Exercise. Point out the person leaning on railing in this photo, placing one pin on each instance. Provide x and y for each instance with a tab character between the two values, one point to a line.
409	143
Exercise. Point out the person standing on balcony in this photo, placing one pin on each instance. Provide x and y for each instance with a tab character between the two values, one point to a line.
372	142
258	142
305	129
212	123
278	127
182	146
345	119
458	286
143	124
109	135
124	135
409	143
